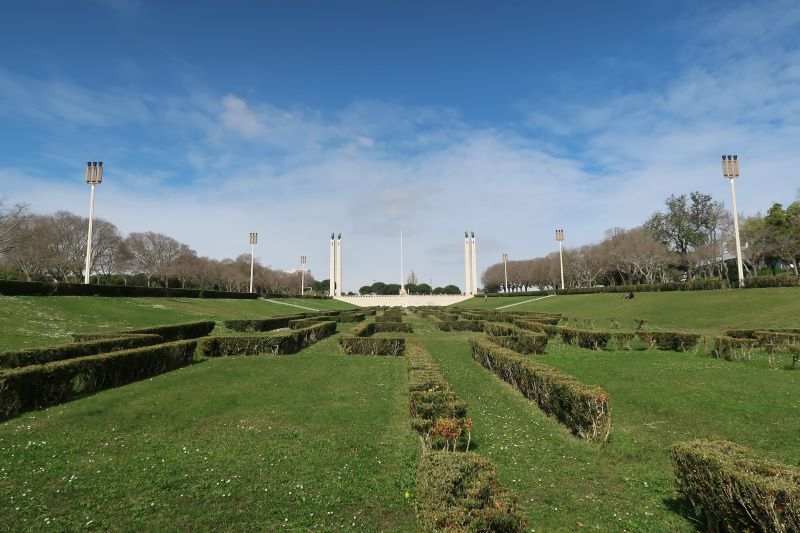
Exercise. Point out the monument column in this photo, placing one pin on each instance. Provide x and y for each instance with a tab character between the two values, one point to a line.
474	266
339	265
332	275
467	270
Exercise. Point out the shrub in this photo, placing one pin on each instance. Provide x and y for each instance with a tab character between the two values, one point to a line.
592	340
40	288
391	327
352	317
351	345
730	348
60	352
175	332
736	491
584	409
301	323
515	338
274	344
389	318
777	338
262	324
548	329
752	333
365	330
695	285
36	386
669	340
763	282
459	325
461	492
794	351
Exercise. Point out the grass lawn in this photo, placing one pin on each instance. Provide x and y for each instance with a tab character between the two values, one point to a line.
702	311
311	442
29	321
657	398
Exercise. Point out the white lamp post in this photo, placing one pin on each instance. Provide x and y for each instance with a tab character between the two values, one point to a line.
94	176
253	242
560	239
302	275
505	272
730	169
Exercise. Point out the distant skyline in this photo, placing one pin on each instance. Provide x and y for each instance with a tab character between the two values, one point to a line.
298	119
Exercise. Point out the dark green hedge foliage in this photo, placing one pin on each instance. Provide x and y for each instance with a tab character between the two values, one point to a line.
174	332
461	492
36	386
589	339
351	345
731	348
765	282
257	344
736	491
262	324
389	318
548	329
393	327
60	352
301	323
584	409
458	325
352	317
751	333
776	338
516	339
696	285
670	340
40	288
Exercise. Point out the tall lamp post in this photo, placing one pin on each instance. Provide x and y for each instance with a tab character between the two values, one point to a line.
302	275
253	242
505	272
730	169
560	239
94	176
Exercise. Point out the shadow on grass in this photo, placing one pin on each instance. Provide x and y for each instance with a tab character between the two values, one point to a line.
683	507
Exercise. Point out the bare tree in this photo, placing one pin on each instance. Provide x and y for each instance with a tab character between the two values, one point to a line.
10	219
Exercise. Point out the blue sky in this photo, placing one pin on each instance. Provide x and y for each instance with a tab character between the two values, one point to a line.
296	119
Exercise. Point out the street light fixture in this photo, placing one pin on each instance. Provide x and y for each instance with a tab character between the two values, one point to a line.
560	239
253	242
94	176
505	272
302	275
730	169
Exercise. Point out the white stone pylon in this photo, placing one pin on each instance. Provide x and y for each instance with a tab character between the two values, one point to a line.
339	265
332	277
467	269
474	266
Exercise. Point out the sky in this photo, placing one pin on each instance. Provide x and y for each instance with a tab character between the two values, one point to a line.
298	119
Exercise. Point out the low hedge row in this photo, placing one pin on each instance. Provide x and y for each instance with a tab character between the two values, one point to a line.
42	288
736	491
548	329
301	323
731	348
389	318
174	332
458	325
262	324
516	339
352	317
37	386
592	340
288	342
393	327
696	285
670	340
584	409
751	333
461	492
60	352
371	345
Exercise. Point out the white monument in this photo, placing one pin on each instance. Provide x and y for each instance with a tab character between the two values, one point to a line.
332	270
339	265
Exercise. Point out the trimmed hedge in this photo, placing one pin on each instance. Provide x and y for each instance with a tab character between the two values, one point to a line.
670	340
591	340
262	324
766	282
516	339
752	333
351	345
301	323
393	327
352	317
386	317
275	344
548	329
174	332
459	325
777	338
60	352
736	491
730	347
584	409
696	285
37	386
461	492
41	288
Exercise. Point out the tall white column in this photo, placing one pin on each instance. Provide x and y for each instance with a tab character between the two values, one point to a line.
339	265
88	267
402	281
474	266
561	262
332	275
252	261
467	269
736	231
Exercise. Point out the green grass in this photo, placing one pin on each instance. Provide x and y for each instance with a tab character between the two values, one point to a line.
41	320
311	442
657	398
702	311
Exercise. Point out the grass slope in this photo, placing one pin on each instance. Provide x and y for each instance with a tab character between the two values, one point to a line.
703	311
657	398
28	321
312	442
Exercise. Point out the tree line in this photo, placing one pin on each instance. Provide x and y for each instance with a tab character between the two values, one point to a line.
692	237
53	248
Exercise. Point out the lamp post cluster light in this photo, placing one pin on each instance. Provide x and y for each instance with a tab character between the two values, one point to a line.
94	176
302	275
253	242
560	239
730	169
505	272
